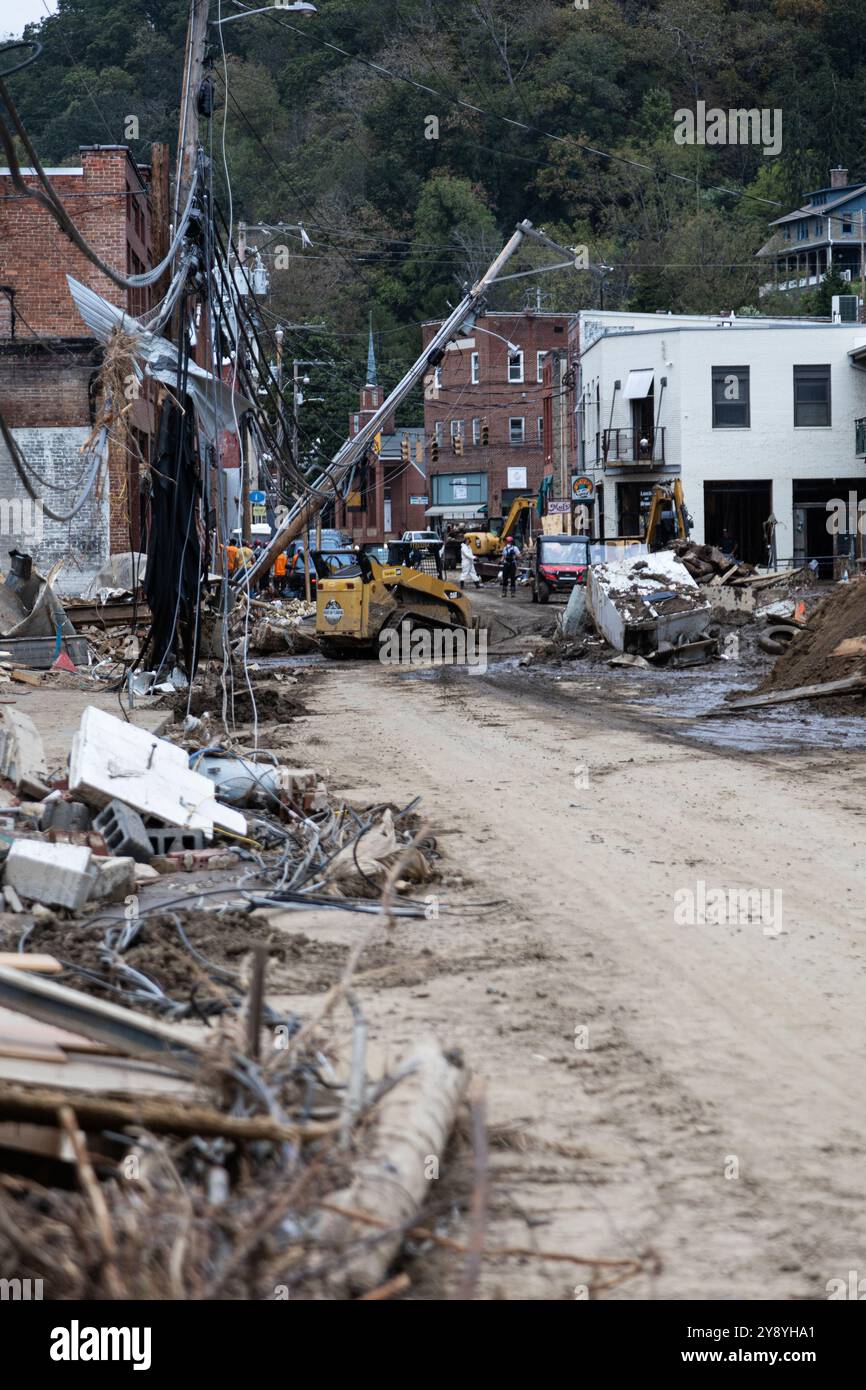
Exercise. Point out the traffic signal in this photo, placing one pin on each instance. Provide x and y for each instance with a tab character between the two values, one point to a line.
485	434
458	445
404	448
434	452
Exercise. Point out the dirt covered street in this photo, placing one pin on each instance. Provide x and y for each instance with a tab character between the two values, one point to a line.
662	1086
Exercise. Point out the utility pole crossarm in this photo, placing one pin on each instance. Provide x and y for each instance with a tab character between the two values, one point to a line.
349	453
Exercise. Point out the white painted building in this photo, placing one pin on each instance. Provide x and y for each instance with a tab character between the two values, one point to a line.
757	416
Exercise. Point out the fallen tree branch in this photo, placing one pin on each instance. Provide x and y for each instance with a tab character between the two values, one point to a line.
96	1112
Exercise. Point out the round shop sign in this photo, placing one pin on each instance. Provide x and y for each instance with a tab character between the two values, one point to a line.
333	612
582	488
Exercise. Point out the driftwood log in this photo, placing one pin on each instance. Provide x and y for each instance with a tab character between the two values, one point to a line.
413	1124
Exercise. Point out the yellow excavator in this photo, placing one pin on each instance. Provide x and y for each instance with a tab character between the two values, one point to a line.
357	604
491	543
667	519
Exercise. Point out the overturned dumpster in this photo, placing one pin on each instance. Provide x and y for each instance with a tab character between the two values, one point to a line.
651	607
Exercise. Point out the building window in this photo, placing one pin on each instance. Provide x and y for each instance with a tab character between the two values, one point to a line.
437	378
847	226
357	420
476	429
516	429
819	226
811	396
515	366
786	232
802	231
437	432
731	398
539	366
456	428
473	367
541	429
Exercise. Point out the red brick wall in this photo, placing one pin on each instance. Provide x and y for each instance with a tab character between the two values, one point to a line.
494	400
35	255
40	389
109	204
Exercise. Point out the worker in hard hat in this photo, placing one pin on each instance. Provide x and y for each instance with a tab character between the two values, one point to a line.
510	557
280	567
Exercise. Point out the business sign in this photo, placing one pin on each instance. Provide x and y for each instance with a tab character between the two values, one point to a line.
558	508
419	501
582	487
459	491
517	477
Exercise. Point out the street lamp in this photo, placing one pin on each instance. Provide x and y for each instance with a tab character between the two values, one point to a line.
512	347
297	7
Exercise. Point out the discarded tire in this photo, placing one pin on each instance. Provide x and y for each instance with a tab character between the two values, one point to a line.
780	632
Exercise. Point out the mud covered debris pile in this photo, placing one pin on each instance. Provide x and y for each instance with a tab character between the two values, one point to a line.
814	656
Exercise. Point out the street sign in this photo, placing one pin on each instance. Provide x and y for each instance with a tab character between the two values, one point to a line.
258	499
419	501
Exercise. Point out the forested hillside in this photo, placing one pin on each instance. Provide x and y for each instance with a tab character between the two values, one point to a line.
328	122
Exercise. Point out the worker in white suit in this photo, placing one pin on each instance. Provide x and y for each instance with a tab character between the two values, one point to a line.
468	572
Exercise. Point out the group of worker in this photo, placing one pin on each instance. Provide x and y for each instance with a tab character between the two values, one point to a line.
240	556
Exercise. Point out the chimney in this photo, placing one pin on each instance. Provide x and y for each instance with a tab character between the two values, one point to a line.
839	177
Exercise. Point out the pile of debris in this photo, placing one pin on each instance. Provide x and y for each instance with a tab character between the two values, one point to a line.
282	626
223	1146
650	607
706	563
830	647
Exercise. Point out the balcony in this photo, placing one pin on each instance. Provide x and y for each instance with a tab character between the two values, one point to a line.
860	437
631	447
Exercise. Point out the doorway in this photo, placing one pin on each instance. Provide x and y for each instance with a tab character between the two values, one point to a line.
738	510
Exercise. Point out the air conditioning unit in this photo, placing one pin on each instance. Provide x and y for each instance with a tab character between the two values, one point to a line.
845	308
846	275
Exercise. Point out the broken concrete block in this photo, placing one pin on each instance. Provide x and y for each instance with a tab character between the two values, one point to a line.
22	757
112	759
124	832
57	875
12	900
113	878
57	814
145	873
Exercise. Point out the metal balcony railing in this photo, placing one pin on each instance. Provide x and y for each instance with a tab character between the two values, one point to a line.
631	446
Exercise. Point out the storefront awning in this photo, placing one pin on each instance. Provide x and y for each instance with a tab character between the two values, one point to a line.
460	512
639	384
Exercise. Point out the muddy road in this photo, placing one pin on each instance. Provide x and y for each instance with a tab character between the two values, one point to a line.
660	1085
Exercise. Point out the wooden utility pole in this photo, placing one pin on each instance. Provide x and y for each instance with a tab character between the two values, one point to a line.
160	213
193	71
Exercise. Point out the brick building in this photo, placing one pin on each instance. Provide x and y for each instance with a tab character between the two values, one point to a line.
484	414
388	493
49	366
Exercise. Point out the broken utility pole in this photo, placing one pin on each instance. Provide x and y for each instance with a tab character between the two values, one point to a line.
354	448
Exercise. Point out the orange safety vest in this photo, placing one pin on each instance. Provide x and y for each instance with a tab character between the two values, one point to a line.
280	565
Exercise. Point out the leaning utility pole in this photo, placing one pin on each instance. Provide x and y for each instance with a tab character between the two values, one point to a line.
354	448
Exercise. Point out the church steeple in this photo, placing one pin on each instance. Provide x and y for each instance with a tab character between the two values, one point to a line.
371	358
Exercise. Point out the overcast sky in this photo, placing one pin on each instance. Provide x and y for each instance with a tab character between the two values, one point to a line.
14	14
